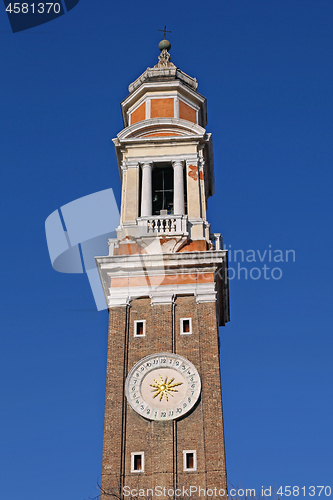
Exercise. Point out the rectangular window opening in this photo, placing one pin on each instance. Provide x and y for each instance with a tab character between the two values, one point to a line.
140	328
186	326
190	460
137	462
162	189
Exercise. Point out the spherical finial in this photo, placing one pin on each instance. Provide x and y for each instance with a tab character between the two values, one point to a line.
164	44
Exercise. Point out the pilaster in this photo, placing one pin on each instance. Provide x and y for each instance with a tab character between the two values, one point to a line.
193	189
130	208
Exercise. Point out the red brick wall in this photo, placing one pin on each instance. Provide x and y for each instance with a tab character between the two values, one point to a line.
114	398
162	108
187	113
163	442
139	114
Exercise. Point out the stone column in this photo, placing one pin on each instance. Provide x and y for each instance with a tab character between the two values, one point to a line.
146	192
178	188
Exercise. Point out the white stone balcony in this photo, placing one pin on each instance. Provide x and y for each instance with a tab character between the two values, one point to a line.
153	225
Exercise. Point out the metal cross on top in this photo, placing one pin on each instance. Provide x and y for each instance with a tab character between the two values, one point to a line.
165	31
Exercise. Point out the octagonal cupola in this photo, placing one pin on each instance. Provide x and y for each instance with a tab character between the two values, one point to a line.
164	91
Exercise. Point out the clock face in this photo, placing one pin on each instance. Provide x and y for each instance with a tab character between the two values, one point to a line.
163	386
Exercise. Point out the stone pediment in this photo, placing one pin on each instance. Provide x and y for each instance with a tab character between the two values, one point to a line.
161	127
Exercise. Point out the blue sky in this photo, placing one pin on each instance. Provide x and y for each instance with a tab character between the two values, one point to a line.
266	69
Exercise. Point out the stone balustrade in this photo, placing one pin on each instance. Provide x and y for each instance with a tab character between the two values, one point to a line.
162	224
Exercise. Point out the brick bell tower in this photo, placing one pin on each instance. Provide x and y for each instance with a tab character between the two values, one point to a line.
166	288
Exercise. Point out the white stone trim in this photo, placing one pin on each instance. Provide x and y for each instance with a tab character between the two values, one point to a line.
191	157
152	94
162	298
168	131
156	95
134	108
159	265
123	166
119	301
191	127
132	164
182	326
156	225
165	85
189	103
148	108
176	107
161	294
146	98
163	71
176	261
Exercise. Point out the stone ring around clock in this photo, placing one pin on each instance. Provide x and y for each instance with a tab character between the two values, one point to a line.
163	386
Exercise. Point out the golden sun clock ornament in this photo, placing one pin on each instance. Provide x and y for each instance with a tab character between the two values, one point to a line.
163	386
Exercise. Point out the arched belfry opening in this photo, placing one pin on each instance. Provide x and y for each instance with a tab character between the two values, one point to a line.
163	189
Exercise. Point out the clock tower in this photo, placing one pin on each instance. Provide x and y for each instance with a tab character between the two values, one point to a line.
165	283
